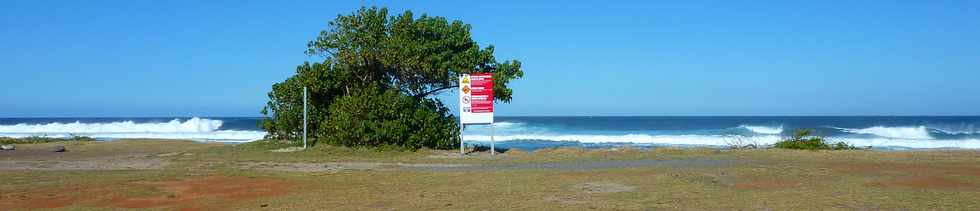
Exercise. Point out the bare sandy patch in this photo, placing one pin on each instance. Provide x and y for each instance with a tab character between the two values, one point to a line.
566	199
219	188
914	175
37	199
925	182
583	193
288	149
339	166
604	187
906	169
771	184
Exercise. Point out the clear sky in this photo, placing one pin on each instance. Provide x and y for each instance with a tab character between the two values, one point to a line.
213	58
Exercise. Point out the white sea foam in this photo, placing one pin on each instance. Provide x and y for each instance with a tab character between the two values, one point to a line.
911	143
763	129
194	129
725	140
920	132
174	126
508	124
956	131
707	140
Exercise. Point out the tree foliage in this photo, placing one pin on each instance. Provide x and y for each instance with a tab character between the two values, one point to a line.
378	79
373	118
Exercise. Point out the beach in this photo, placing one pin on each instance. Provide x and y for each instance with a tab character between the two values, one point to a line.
190	175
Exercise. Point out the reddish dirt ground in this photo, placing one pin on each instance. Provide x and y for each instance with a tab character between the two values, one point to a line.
34	200
900	168
914	175
933	182
767	185
184	194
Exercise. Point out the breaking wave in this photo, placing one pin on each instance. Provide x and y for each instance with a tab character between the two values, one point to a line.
955	130
707	140
920	132
508	124
193	128
763	129
724	140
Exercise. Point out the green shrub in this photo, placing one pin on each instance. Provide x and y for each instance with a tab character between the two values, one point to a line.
840	145
803	139
371	118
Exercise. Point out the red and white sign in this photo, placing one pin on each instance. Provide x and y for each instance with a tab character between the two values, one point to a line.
476	98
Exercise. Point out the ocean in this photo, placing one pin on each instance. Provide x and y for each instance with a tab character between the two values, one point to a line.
529	133
219	129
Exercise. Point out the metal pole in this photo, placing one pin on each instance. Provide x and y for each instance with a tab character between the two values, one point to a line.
461	128
304	117
492	131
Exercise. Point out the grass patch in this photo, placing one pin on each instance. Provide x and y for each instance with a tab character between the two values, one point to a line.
40	140
265	150
867	179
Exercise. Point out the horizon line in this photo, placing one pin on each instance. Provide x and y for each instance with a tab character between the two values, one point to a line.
207	116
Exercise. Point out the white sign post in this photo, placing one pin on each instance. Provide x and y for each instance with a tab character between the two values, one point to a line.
304	117
476	103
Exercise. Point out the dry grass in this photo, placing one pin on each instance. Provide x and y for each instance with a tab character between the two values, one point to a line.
755	179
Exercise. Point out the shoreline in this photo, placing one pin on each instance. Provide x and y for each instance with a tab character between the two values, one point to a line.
511	144
887	132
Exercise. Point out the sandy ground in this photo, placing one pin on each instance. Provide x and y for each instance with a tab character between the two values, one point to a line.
193	176
31	158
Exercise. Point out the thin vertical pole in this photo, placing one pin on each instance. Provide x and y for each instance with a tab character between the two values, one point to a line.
304	117
492	131
461	128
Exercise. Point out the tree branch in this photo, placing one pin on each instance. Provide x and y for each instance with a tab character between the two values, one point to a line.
421	95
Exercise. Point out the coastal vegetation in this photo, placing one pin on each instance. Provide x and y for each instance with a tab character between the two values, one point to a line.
378	79
805	140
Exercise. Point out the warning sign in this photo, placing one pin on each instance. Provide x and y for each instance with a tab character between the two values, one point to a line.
476	98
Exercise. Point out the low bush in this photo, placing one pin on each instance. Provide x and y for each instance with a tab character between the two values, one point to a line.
741	142
803	139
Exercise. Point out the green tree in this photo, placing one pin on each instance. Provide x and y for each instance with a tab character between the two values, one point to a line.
418	56
378	80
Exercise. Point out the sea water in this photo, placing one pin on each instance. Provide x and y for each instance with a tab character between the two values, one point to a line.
880	132
220	129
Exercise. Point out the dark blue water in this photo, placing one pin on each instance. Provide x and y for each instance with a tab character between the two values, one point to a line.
878	131
943	127
543	132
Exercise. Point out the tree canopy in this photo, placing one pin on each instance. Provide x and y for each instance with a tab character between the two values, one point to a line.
378	80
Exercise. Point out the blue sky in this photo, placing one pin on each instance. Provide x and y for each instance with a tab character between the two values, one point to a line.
213	58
